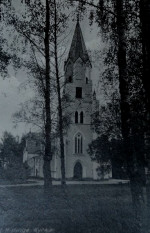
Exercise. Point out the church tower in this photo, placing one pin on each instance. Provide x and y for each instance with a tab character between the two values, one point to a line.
78	88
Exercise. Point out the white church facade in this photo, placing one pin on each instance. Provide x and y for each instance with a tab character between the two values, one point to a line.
81	103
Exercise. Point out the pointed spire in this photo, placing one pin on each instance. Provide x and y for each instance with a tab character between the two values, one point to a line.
78	48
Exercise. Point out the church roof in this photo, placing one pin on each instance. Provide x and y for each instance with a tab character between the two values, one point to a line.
78	48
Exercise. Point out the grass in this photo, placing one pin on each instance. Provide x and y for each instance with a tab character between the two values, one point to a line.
77	209
19	181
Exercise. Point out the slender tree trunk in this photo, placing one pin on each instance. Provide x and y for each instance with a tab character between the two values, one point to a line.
123	84
48	153
131	159
122	65
145	23
63	181
145	27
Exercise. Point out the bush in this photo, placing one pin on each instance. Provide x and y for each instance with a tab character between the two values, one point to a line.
103	170
15	172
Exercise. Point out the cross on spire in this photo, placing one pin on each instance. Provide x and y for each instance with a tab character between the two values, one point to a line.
79	11
78	17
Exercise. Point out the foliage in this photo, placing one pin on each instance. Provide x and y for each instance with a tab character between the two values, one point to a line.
109	154
35	29
15	172
99	149
11	153
4	55
4	60
107	120
10	148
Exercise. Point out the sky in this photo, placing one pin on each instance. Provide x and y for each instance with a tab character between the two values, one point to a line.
12	95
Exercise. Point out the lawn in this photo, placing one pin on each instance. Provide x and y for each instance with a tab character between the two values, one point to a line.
77	209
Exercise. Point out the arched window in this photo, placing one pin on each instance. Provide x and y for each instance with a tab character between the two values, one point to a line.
87	81
78	144
76	117
81	117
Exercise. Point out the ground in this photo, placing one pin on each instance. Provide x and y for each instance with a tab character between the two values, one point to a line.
75	209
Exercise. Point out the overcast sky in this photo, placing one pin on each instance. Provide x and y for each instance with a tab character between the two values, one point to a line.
11	95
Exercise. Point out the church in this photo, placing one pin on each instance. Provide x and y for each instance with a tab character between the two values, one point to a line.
81	103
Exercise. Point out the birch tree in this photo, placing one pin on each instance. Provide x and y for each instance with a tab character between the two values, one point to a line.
31	30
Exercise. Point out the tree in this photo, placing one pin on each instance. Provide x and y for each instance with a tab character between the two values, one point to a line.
60	113
46	46
11	153
108	146
9	148
118	22
145	23
100	151
48	152
145	33
4	56
4	59
33	31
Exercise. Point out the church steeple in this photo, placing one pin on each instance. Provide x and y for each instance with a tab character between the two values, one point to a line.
78	48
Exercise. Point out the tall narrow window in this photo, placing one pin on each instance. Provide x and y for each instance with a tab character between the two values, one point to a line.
81	117
81	145
87	81
78	144
78	92
70	79
76	117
